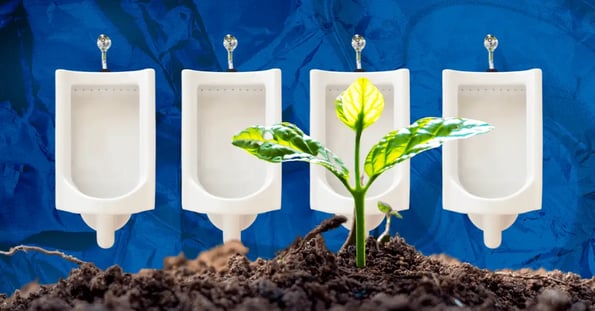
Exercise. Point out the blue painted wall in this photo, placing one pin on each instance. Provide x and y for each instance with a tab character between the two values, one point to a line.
37	37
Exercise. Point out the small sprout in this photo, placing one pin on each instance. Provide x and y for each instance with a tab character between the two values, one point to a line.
388	211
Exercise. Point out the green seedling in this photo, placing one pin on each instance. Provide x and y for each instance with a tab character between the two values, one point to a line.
358	107
388	212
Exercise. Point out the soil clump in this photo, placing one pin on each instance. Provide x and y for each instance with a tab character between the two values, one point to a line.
307	276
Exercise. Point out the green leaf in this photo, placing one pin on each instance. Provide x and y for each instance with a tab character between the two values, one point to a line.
425	134
360	105
285	142
384	207
387	209
396	214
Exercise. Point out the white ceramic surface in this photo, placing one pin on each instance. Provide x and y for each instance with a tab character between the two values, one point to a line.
496	176
231	186
327	193
105	147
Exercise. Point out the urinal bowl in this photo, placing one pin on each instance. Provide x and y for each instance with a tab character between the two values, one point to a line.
327	193
496	176
219	179
105	147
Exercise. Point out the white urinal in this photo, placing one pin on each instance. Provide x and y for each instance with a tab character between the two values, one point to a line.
105	147
496	176
327	193
219	179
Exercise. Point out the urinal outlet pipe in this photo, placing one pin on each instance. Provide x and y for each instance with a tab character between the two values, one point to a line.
232	229
492	232
492	226
105	226
105	230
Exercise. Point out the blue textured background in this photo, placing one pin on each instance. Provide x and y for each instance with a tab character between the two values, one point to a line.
36	38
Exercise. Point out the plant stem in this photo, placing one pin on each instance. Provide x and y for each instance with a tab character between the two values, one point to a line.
359	196
356	170
360	229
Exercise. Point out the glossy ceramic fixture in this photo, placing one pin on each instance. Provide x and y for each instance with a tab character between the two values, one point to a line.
105	147
218	179
497	176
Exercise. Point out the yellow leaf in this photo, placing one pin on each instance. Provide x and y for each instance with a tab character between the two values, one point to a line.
360	105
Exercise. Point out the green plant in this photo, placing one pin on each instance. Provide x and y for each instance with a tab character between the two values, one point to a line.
358	107
388	212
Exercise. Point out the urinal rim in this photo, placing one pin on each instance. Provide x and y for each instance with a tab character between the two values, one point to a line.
270	176
103	75
358	73
525	187
137	188
235	74
342	199
484	74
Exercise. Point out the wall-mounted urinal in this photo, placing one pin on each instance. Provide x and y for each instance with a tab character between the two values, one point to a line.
494	177
218	179
327	193
105	147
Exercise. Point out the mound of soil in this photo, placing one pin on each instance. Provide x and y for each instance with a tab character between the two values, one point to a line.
307	276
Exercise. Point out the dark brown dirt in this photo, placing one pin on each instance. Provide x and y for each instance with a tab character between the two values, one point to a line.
306	276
